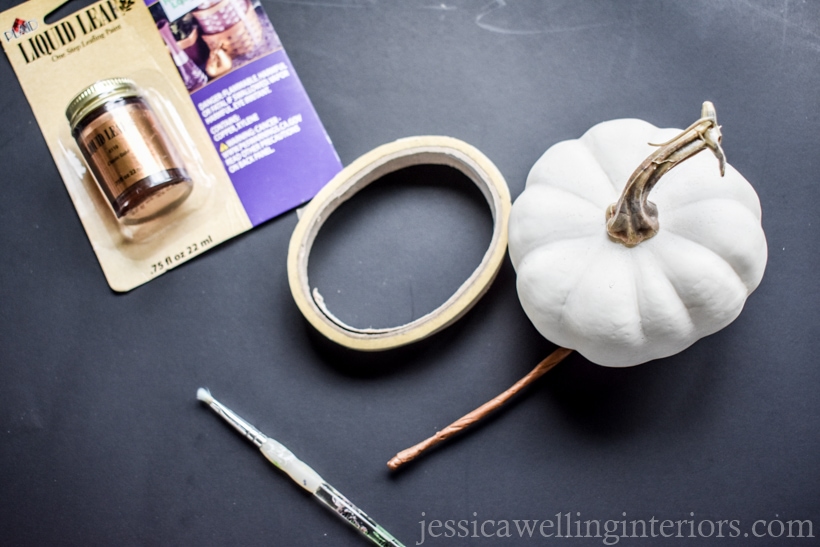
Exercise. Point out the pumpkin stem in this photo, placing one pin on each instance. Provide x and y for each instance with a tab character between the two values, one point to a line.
634	218
467	420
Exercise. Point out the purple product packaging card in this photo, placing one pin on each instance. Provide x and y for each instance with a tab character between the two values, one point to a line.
253	105
268	135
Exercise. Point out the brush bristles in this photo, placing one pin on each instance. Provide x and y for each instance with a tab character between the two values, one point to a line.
204	395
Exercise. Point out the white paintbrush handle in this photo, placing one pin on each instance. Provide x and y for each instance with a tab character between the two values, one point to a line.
298	470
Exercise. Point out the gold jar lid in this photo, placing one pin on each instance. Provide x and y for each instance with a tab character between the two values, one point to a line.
96	95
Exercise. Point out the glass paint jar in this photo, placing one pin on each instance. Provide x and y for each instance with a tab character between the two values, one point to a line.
127	150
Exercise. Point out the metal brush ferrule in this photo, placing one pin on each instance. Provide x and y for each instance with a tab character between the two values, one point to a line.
247	430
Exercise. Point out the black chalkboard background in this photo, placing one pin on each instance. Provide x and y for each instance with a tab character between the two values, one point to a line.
102	441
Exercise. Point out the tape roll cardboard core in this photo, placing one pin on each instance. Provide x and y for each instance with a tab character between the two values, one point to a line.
359	174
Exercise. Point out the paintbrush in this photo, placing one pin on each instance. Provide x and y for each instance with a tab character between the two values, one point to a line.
303	475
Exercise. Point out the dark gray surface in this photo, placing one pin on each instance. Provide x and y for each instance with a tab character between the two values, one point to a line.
102	441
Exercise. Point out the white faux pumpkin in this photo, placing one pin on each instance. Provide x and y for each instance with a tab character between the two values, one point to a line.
672	272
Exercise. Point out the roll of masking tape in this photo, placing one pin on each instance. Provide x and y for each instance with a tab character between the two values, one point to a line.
356	176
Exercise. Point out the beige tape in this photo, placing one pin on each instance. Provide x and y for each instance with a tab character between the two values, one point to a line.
356	176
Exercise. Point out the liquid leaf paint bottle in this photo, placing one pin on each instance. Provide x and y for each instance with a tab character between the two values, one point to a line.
127	150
